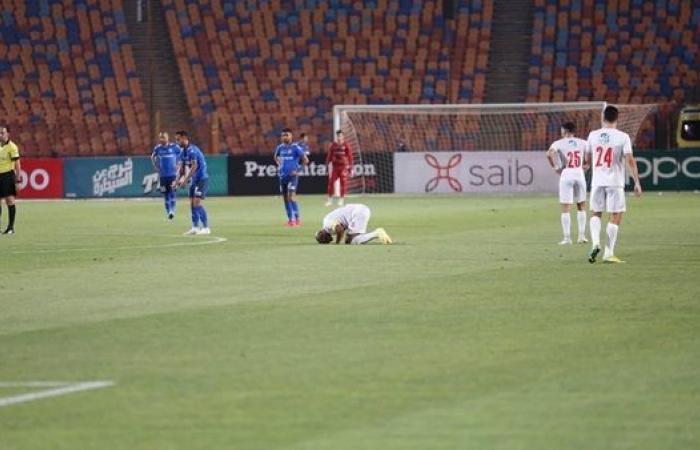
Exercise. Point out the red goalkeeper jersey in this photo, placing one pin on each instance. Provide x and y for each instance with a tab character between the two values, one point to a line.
340	155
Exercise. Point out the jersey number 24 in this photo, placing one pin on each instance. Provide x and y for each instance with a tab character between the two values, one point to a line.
604	157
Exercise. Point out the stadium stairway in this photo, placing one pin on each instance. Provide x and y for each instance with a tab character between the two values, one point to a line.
167	95
509	60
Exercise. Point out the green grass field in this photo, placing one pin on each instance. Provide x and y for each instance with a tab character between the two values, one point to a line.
475	331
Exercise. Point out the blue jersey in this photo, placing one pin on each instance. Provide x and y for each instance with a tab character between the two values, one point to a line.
289	156
304	146
168	156
193	153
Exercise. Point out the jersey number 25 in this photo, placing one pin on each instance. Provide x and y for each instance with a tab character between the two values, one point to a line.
574	160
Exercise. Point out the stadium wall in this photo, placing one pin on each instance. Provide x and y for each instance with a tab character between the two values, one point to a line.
414	172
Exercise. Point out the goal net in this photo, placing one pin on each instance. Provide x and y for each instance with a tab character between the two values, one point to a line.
377	132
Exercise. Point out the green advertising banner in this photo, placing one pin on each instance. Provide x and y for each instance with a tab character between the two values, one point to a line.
129	176
671	170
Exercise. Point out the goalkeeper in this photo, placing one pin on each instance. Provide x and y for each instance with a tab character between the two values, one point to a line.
340	157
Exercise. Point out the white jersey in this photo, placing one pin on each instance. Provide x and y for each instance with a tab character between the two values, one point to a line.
608	147
353	217
570	152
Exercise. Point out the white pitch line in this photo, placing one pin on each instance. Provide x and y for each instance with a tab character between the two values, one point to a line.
64	389
12	384
215	240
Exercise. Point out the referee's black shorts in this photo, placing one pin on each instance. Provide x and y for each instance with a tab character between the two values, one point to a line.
7	184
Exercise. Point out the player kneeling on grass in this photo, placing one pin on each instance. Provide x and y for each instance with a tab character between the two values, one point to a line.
198	178
350	221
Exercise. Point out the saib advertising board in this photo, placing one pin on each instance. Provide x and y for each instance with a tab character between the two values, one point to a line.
472	172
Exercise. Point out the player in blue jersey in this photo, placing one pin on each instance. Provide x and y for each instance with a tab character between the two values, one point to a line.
165	158
193	159
303	142
288	157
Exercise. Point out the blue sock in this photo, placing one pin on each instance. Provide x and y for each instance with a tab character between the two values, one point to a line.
295	209
203	217
288	208
167	203
173	196
195	217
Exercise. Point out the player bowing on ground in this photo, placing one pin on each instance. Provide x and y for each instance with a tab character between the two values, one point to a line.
165	157
566	156
607	150
350	220
192	157
340	157
288	157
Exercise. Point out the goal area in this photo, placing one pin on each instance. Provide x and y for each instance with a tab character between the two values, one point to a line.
377	132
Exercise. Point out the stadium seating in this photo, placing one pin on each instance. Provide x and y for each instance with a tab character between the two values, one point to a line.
264	64
623	51
69	81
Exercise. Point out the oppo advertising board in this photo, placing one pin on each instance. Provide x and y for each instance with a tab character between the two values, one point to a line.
677	170
473	172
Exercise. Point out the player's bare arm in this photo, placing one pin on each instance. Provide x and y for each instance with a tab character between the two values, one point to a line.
18	171
632	163
339	232
187	175
550	157
587	161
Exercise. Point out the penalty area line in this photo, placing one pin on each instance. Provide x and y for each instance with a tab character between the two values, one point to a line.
56	389
193	242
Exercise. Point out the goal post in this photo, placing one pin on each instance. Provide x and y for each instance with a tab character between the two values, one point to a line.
377	132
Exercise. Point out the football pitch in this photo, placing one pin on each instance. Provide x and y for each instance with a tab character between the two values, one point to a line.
474	331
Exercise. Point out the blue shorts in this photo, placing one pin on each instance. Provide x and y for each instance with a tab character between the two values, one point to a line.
166	184
199	189
289	183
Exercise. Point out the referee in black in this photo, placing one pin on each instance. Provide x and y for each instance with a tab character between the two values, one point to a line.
10	176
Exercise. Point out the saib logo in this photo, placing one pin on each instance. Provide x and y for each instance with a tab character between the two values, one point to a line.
604	138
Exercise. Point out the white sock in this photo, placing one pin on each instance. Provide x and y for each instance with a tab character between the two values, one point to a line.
595	231
364	238
566	225
612	237
581	216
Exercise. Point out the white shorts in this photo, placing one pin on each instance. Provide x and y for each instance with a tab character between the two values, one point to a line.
359	220
572	190
608	199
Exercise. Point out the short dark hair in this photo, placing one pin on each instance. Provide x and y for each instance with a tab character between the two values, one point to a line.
286	130
569	126
610	114
302	135
323	237
181	133
339	132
